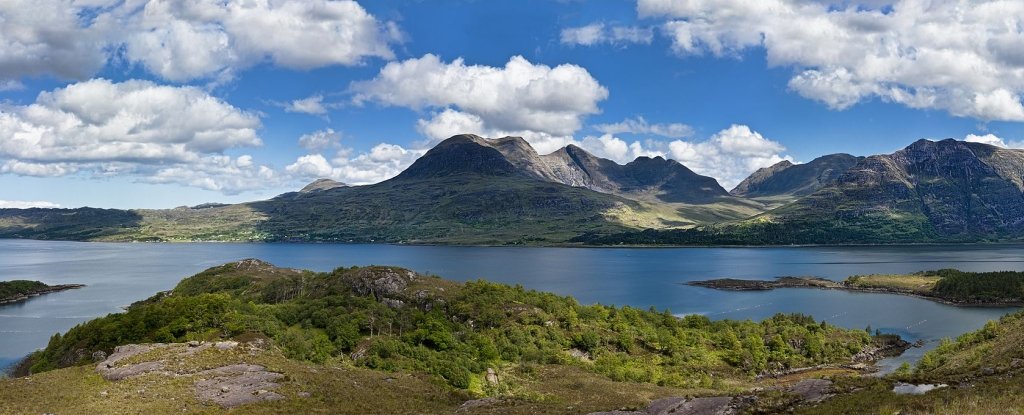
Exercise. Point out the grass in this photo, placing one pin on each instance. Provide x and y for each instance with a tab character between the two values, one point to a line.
335	387
922	283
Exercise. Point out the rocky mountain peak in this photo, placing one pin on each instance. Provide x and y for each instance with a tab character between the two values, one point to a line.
321	185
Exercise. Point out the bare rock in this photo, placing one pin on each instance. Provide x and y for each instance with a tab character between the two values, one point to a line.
238	385
99	356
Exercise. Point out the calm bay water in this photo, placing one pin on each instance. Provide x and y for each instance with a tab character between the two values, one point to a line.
119	274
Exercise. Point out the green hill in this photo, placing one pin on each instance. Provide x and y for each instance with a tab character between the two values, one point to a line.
406	340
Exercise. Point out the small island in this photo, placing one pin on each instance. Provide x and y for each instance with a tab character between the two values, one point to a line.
948	286
21	290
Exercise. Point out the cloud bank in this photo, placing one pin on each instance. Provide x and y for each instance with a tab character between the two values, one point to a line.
960	56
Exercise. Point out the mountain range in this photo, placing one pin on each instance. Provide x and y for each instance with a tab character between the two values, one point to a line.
474	190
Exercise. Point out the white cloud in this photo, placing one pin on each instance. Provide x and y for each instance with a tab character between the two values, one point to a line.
521	96
994	140
181	40
598	33
320	140
23	204
157	133
382	162
313	105
639	125
730	155
49	37
960	56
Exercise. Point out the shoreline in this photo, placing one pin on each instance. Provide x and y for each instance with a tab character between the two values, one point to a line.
31	294
731	284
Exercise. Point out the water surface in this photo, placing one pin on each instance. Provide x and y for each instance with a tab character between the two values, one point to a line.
119	274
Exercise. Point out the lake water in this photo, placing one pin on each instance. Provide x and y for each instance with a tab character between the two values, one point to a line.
119	274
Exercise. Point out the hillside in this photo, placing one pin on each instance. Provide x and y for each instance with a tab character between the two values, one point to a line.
393	331
929	192
788	181
472	190
981	372
466	190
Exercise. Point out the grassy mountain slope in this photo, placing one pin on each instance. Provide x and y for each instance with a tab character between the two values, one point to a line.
785	180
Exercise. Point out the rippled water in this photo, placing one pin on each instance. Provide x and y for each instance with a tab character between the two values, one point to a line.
119	274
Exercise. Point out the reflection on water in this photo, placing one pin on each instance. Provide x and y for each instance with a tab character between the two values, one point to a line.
119	274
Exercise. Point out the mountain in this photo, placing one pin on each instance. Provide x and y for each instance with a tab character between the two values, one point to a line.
785	179
321	185
948	190
928	192
473	190
467	189
644	178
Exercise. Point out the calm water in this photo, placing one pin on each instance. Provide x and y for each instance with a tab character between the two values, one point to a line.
119	274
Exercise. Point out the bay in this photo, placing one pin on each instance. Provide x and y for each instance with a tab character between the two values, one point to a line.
117	274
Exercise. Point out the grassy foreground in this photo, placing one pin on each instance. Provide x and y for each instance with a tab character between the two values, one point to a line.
387	340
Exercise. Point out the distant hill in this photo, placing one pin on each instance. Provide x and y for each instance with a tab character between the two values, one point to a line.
787	179
473	190
322	184
930	191
644	178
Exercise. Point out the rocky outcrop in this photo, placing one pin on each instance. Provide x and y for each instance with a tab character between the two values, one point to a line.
228	386
804	391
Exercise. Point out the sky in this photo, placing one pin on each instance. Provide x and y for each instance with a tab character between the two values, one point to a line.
164	103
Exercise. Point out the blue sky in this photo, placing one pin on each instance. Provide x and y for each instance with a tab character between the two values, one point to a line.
164	103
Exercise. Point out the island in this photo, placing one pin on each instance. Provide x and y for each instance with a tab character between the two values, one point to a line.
21	290
948	286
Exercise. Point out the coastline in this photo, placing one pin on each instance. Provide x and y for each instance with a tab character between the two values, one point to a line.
35	293
730	284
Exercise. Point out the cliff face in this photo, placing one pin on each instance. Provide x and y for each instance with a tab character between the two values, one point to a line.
961	190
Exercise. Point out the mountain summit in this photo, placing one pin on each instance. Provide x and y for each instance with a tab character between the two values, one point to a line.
645	178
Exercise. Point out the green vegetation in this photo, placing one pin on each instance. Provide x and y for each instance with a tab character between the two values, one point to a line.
1000	288
984	371
981	286
921	283
394	320
18	290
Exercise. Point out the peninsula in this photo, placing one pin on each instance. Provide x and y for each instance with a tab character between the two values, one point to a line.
21	290
948	286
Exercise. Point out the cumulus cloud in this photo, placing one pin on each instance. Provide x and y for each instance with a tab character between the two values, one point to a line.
382	162
639	125
50	37
158	133
313	105
599	33
24	204
320	140
521	96
994	140
181	40
730	155
960	56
